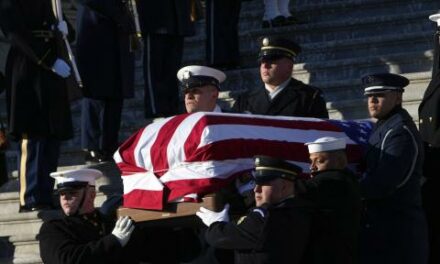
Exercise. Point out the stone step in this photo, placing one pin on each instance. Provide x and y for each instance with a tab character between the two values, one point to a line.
318	11
26	249
322	33
344	28
339	49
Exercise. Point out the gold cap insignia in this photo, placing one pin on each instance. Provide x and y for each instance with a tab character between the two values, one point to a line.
265	42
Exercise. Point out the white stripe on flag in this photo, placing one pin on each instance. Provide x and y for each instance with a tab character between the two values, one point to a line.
143	147
215	133
141	181
175	148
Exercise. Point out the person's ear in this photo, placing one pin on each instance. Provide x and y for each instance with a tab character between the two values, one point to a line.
399	98
92	193
215	94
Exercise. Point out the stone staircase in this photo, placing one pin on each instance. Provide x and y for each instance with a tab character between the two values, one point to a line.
341	39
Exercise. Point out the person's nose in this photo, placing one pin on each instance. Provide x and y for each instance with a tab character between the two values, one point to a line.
313	167
266	64
257	188
373	99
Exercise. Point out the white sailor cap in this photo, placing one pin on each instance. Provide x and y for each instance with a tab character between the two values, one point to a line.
326	144
72	179
196	76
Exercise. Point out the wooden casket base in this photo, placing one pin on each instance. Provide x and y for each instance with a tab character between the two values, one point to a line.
173	211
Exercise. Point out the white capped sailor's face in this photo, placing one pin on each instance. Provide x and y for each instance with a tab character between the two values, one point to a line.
380	104
272	192
275	72
201	99
332	160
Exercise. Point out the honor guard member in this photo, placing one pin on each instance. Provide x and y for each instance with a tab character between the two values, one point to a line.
393	228
277	230
106	65
222	48
429	126
84	235
281	94
335	190
164	25
36	95
200	86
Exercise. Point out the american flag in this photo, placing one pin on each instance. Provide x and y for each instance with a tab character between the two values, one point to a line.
184	156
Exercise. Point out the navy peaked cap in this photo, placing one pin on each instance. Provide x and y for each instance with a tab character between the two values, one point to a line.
383	82
269	168
273	47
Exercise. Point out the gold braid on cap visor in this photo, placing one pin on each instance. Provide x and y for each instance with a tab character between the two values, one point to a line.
279	48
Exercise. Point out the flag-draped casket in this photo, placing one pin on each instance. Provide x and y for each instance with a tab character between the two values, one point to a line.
185	156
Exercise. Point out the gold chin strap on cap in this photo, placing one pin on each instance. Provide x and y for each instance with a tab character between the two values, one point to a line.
279	48
276	169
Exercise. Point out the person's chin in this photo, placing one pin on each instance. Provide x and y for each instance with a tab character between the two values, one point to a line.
191	110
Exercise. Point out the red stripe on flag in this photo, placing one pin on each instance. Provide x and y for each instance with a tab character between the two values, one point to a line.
144	199
193	140
128	169
158	151
247	148
200	186
126	150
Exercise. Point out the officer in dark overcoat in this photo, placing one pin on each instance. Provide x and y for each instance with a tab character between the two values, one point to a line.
429	126
164	25
335	190
278	230
36	95
281	94
393	228
106	65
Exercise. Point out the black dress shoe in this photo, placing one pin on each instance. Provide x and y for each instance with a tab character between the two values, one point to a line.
277	21
33	208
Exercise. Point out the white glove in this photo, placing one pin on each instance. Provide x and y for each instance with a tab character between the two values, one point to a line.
208	217
61	68
123	229
62	27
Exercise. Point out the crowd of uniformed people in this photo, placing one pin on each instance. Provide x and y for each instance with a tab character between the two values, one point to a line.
384	216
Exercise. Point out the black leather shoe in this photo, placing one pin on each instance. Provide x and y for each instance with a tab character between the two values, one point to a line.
33	208
274	22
